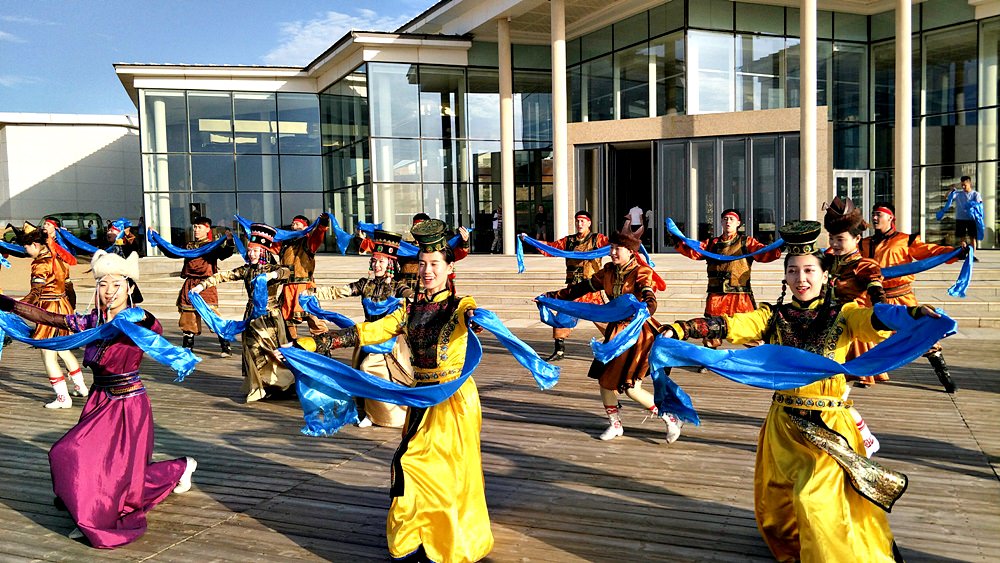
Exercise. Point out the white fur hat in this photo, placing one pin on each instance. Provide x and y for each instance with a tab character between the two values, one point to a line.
103	264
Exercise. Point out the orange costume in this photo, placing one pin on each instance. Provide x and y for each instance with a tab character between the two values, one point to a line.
580	270
48	290
299	256
729	290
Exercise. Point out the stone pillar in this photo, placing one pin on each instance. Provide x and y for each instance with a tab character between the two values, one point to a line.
560	136
903	137
808	185
506	136
158	210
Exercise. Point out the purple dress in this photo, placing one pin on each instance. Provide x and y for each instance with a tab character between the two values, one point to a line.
101	468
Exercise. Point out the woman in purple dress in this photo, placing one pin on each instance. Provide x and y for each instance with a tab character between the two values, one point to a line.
101	468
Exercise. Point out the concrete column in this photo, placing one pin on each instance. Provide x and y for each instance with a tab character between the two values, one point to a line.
808	185
506	136
693	170
986	179
903	137
560	136
158	210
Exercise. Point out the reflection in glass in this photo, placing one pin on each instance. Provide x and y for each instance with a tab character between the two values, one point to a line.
485	157
257	173
169	214
850	83
484	104
256	122
792	175
308	204
164	121
441	201
703	175
443	161
710	70
394	100
711	14
951	71
344	107
348	166
396	160
533	105
631	30
396	205
301	173
164	172
734	180
298	123
596	44
950	138
668	56
666	17
219	207
765	189
262	207
851	146
442	102
212	173
211	121
632	69
758	72
674	186
598	89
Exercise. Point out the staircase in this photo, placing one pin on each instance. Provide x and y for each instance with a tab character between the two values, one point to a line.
494	282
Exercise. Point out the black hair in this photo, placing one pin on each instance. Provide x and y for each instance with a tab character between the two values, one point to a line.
447	251
885	204
421	217
37	236
739	215
825	260
964	178
303	217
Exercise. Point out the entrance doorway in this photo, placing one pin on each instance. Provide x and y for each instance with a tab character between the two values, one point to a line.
853	184
630	171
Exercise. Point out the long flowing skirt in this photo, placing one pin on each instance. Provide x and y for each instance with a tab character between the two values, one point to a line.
439	497
622	372
805	507
101	469
260	370
394	367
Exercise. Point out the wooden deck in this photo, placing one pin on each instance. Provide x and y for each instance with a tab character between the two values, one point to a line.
264	492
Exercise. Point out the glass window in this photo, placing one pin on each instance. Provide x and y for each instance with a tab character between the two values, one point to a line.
574	75
631	30
950	137
211	121
938	181
485	158
301	173
598	89
852	27
166	173
710	70
850	83
884	139
344	107
758	18
989	63
673	185
256	122
164	121
765	189
572	51
702	170
533	105
484	53
632	68
397	203
668	56
758	72
938	13
212	173
734	175
952	70
395	102
596	44
484	104
257	173
348	166
666	17
308	204
532	56
260	207
850	146
824	23
883	26
219	207
298	124
884	80
169	215
792	184
396	160
443	161
443	202
711	14
989	138
442	102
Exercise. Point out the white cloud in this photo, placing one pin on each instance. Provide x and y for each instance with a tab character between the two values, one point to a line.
10	80
10	37
26	20
303	41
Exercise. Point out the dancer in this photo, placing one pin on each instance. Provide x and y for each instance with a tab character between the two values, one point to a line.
379	286
853	277
438	511
806	507
51	227
578	271
624	374
408	267
48	276
262	375
299	256
194	271
889	247
729	288
101	469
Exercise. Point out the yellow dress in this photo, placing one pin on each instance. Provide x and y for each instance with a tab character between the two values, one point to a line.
805	506
439	499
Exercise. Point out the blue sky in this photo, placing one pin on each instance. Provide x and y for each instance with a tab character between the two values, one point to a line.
57	56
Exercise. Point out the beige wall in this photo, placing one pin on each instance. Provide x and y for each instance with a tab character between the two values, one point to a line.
706	125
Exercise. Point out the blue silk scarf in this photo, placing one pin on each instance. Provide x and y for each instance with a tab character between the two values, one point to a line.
618	309
13	249
406	249
282	235
975	209
230	329
70	242
326	387
181	360
171	251
4	262
553	252
961	284
771	366
310	305
696	245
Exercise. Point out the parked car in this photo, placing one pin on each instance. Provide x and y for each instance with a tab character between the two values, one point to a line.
79	225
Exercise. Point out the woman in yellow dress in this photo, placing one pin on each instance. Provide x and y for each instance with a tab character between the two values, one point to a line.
438	510
815	493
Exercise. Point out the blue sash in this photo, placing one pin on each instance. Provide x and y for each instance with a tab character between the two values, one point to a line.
618	309
181	360
13	249
310	305
964	275
171	251
282	235
696	245
229	329
598	252
771	366
4	262
326	387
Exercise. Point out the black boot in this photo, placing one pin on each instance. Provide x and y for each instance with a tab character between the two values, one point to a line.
559	352
227	348
188	341
941	369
